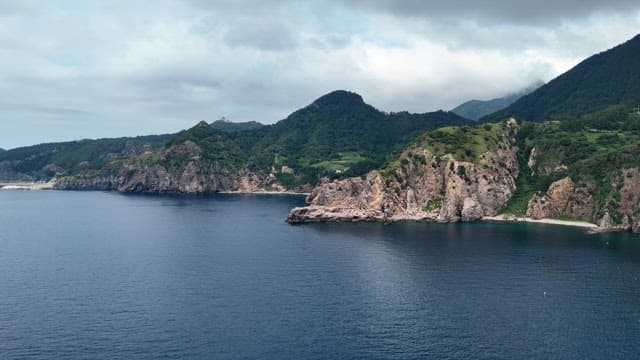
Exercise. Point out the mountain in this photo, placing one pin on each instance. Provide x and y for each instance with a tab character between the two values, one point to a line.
475	109
229	126
602	80
340	132
337	135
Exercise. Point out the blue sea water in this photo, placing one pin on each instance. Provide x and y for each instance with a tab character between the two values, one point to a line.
94	275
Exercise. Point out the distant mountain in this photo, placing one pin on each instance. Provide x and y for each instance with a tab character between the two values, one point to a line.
1	150
475	109
605	79
229	126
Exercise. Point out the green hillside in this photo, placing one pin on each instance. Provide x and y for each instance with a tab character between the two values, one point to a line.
43	161
340	133
590	156
609	78
229	126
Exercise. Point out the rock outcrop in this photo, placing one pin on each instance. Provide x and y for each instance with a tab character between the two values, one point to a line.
563	198
619	210
353	199
424	185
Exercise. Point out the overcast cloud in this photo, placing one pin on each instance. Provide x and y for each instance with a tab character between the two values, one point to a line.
72	70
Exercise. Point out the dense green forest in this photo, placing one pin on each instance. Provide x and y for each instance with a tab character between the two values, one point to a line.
339	134
609	78
43	161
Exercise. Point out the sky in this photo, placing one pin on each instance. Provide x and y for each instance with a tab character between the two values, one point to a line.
90	69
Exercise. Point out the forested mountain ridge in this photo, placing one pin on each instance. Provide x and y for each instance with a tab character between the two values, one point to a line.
609	78
340	133
45	161
337	135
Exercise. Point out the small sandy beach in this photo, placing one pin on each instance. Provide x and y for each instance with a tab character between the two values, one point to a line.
263	193
510	218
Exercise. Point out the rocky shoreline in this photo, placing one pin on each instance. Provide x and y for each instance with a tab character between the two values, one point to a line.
423	186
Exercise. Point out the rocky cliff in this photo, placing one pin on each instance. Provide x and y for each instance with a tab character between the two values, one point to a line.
563	198
180	169
426	183
473	178
618	210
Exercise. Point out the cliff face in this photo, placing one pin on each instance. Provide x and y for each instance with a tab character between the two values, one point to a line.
563	198
618	210
630	199
179	169
464	174
423	185
353	199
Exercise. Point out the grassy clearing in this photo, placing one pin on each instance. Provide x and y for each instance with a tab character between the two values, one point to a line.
343	162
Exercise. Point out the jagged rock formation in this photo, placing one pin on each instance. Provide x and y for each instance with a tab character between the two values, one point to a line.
423	185
563	198
427	183
353	199
630	199
620	210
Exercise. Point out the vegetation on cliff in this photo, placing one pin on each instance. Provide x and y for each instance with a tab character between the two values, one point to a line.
44	161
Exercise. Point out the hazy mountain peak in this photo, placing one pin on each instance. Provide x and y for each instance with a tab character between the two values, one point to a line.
475	109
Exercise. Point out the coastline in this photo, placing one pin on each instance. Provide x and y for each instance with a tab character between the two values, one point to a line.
510	218
262	193
27	186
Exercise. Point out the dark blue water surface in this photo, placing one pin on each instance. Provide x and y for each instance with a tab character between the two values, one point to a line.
104	275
